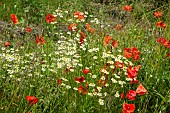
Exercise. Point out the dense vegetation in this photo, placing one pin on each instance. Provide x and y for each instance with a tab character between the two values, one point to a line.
81	56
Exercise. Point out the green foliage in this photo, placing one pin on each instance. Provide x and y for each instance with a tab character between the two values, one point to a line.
27	68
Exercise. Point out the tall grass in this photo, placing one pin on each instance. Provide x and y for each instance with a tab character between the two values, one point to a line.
69	75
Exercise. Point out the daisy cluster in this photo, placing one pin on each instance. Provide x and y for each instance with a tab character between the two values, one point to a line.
65	54
17	65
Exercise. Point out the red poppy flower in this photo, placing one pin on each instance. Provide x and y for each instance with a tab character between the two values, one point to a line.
82	37
122	96
79	79
158	14
40	40
161	40
82	90
6	44
157	24
14	18
79	15
86	71
32	100
91	30
135	50
107	39
127	8
131	95
28	29
132	73
141	90
59	81
161	24
167	44
127	53
88	28
135	53
118	27
50	18
72	27
128	108
81	40
132	53
135	57
114	43
85	91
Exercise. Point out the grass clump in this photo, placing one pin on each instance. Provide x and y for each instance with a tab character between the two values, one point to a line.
88	57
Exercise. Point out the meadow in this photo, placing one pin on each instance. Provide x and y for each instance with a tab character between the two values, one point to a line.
84	56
